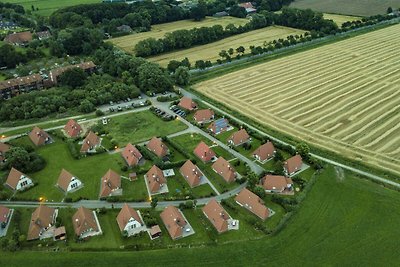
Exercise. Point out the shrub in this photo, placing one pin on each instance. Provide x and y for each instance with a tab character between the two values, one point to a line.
99	113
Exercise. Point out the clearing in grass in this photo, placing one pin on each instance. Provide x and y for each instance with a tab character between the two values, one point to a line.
340	19
342	97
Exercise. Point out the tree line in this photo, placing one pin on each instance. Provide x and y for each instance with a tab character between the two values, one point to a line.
180	39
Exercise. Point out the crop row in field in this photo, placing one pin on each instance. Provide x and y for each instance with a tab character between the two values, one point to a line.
343	97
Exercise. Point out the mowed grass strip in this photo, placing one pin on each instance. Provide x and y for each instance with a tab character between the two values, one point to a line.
46	7
210	51
346	221
341	97
359	7
128	42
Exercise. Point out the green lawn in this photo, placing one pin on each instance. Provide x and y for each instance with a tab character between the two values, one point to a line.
46	7
89	170
341	222
141	126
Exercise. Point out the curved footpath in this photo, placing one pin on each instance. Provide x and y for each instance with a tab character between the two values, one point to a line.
355	170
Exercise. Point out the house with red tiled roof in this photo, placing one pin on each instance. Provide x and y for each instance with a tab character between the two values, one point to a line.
90	143
217	215
253	203
3	149
131	155
157	146
72	128
110	184
42	219
187	103
249	7
174	221
239	138
68	182
19	38
129	220
293	165
204	152
85	223
264	152
155	181
16	180
5	214
203	116
192	174
224	169
276	184
39	137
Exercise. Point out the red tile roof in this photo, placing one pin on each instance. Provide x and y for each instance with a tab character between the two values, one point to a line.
217	215
293	164
3	149
131	155
91	141
224	168
72	128
203	115
64	179
173	221
18	38
84	220
203	152
253	203
157	147
109	182
155	178
125	215
187	103
275	182
239	137
38	136
13	178
246	5
191	173
42	218
265	151
4	213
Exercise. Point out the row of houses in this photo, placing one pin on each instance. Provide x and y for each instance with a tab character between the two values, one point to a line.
14	87
85	222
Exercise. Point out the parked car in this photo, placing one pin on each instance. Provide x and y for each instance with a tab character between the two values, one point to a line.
111	109
119	108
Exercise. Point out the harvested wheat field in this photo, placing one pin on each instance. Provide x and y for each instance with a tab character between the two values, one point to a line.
351	7
128	42
340	19
210	51
344	97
